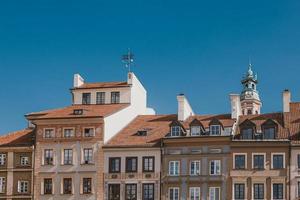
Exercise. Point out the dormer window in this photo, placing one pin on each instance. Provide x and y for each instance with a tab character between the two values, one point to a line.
247	133
215	129
115	97
86	98
269	133
78	111
142	133
175	131
195	130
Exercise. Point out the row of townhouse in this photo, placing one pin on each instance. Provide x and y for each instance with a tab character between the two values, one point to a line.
109	145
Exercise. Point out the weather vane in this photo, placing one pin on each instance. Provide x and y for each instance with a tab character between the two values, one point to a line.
128	59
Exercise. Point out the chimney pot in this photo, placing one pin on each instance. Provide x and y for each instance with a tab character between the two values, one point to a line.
286	100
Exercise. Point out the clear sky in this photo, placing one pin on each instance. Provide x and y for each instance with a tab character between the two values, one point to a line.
199	48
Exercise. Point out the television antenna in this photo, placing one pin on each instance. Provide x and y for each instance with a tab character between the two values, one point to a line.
127	59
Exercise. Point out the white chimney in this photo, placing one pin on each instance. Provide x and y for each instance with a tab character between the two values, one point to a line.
78	81
235	106
286	100
184	108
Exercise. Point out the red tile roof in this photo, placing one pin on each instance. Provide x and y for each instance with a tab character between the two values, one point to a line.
292	121
259	119
157	126
103	85
88	111
17	138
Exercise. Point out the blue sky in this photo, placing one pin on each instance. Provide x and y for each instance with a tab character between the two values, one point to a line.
199	48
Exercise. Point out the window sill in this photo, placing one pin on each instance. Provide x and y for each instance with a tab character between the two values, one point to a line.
67	165
92	163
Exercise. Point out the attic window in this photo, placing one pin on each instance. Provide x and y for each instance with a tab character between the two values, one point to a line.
195	130
78	111
175	131
142	133
269	133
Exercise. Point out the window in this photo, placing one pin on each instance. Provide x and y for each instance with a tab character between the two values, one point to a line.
258	161
48	133
247	133
269	133
86	98
174	193
114	165
47	186
24	160
87	185
131	164
100	98
2	184
195	130
48	157
175	131
215	130
67	186
278	161
131	193
194	193
214	193
239	191
113	192
68	156
298	161
249	112
258	191
115	97
277	191
2	159
174	168
148	164
88	155
148	191
239	161
298	188
23	186
195	167
89	132
68	132
215	167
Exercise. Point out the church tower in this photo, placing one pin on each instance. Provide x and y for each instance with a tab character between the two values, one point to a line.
250	101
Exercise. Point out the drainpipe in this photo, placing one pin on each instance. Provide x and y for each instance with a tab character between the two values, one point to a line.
161	165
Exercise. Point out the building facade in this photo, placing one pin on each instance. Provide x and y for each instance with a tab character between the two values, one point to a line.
16	165
69	159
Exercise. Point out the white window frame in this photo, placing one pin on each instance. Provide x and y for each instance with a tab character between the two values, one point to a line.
198	132
174	164
174	130
279	153
254	154
83	155
25	185
2	159
283	192
211	130
239	154
44	157
215	167
2	184
233	188
43	186
63	156
93	134
194	190
198	171
24	160
214	188
174	188
258	182
72	132
52	135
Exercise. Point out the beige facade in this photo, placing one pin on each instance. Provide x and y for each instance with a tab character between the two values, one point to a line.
139	178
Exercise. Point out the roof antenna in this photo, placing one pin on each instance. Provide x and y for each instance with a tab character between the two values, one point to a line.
127	59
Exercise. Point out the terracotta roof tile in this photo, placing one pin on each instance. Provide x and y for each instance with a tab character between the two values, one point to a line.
88	111
103	85
292	121
157	126
259	119
17	138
